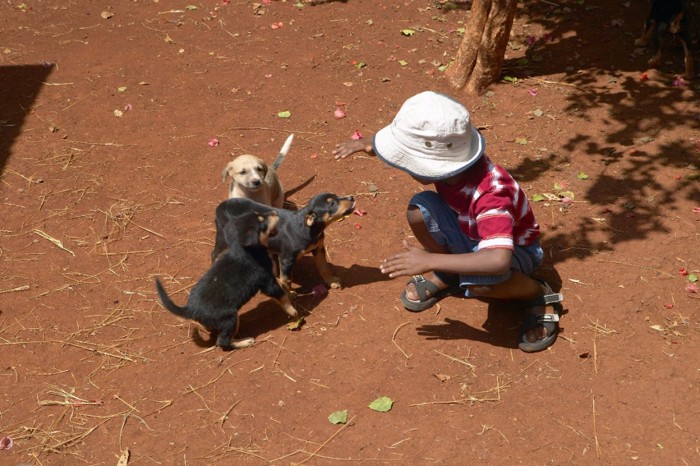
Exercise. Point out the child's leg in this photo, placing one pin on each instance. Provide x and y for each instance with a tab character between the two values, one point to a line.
519	287
435	227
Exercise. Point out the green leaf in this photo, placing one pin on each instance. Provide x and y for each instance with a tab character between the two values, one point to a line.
408	32
692	278
510	79
285	114
523	61
381	404
403	62
121	89
359	65
582	176
522	141
538	198
339	417
190	7
442	67
692	176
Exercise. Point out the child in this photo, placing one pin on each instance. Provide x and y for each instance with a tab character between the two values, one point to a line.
477	230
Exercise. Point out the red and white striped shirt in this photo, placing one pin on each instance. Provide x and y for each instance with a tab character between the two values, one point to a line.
491	207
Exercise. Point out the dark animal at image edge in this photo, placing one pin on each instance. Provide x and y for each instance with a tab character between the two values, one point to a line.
300	232
243	270
667	16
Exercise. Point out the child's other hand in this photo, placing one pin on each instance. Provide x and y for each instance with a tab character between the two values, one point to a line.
412	261
345	148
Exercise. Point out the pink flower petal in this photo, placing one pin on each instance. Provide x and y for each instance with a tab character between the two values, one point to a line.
678	81
356	135
691	288
339	113
213	142
6	443
319	290
532	92
360	212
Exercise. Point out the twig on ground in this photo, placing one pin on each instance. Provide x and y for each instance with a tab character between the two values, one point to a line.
311	455
393	339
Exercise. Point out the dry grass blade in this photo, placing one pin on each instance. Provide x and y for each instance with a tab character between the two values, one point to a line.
67	399
97	350
598	328
452	358
12	290
221	451
55	241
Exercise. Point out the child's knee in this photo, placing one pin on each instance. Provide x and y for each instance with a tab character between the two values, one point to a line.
414	215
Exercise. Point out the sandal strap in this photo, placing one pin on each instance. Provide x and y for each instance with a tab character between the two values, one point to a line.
545	300
542	318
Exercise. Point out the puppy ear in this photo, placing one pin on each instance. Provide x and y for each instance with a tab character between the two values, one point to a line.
226	171
250	236
310	219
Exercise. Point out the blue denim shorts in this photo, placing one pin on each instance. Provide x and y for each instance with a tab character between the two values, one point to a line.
442	224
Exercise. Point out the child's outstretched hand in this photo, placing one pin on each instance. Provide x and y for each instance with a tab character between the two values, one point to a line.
345	148
412	261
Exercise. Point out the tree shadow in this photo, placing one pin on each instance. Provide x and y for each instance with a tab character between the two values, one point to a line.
592	45
19	88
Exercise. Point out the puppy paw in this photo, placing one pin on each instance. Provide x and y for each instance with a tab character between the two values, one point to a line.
243	342
335	283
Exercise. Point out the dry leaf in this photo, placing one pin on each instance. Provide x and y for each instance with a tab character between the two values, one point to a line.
124	458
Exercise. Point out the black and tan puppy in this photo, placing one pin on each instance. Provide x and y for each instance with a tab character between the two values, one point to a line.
299	232
234	278
667	16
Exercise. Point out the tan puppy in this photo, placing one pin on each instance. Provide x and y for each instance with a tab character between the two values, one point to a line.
252	178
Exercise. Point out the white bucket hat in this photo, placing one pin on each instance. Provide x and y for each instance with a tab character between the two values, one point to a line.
431	137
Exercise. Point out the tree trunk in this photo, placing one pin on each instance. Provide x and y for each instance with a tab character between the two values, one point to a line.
480	56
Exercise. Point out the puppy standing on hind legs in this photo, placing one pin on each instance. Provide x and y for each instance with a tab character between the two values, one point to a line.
252	178
233	279
300	232
667	16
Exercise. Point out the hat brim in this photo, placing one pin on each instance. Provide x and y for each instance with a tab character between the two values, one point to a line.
386	147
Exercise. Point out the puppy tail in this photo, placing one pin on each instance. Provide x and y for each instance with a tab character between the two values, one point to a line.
283	152
169	304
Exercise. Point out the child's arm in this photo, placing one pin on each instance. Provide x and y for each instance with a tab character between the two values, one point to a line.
345	148
414	261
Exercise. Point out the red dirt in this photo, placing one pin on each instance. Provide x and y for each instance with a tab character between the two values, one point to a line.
95	206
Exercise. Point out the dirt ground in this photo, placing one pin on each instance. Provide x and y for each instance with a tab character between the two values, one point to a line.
115	124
